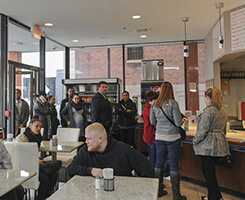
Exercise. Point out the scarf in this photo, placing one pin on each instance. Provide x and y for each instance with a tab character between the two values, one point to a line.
32	137
78	106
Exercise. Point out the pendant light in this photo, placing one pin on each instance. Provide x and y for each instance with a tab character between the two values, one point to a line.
186	48
221	37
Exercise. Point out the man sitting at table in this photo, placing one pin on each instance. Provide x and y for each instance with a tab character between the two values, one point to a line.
103	151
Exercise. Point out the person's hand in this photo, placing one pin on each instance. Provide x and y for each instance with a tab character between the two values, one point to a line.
21	126
129	110
186	120
97	172
68	123
41	162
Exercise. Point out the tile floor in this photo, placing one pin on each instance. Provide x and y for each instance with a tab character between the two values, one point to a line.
192	191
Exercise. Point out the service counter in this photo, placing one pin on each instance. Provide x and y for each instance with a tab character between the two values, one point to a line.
229	177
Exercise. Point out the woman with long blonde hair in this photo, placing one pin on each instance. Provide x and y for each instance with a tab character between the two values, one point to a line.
210	142
168	139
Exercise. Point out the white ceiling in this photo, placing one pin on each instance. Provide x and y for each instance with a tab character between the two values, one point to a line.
107	22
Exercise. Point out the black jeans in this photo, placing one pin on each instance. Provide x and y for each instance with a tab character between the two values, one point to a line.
208	169
127	136
47	183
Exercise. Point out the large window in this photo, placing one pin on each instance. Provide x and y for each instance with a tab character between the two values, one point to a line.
55	64
22	47
89	63
95	63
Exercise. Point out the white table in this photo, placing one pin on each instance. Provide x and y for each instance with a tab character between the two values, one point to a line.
126	188
61	147
10	179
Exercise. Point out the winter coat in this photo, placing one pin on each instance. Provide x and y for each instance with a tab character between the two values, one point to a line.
149	129
210	138
126	119
42	109
54	120
163	125
68	114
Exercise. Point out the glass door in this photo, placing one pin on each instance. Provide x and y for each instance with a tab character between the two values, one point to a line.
23	79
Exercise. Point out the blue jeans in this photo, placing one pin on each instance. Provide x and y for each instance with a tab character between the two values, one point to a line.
172	149
152	153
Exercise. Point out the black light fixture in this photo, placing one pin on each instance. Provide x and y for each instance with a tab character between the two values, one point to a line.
186	48
221	37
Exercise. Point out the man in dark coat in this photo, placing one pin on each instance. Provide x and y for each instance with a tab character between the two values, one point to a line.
103	151
64	102
101	108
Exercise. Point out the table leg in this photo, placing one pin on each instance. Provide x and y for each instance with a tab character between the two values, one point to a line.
54	156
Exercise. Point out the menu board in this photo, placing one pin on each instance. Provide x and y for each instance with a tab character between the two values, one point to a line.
238	29
217	52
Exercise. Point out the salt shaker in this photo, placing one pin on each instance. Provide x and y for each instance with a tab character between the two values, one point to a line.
97	183
55	140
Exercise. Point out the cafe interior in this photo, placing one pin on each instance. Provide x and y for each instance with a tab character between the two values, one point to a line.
134	46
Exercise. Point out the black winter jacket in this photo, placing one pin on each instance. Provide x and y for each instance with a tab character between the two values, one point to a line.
117	155
126	118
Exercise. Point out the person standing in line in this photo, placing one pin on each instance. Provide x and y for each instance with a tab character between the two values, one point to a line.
210	142
126	111
64	102
53	114
21	112
149	129
41	108
75	115
101	110
168	139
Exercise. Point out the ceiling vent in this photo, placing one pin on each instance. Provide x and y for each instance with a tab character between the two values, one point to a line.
143	30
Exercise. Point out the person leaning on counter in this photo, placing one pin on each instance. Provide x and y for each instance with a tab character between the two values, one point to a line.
103	151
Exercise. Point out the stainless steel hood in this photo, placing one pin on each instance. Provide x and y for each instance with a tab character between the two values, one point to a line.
152	70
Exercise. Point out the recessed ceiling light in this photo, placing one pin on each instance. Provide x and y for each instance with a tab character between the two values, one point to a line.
75	41
143	36
36	43
48	24
136	17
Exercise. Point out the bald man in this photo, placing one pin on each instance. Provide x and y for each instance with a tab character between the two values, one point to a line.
103	151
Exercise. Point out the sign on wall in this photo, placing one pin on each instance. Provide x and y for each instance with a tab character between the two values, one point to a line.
237	29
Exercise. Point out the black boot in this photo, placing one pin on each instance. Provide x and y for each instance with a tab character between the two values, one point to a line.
175	181
159	175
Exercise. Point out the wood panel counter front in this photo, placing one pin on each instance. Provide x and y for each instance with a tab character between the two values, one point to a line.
232	177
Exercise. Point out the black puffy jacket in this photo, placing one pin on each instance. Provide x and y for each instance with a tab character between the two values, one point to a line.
126	118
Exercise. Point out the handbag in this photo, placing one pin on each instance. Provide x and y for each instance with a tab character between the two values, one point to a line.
50	167
181	130
226	160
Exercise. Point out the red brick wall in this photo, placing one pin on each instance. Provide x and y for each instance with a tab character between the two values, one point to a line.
17	57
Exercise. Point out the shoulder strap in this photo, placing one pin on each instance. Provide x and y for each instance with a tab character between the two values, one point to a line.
168	118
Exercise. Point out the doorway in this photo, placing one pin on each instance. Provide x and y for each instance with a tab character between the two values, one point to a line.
25	78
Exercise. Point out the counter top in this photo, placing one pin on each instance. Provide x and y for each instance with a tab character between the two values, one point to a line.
233	135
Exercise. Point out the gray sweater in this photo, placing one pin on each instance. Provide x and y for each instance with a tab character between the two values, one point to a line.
210	138
164	128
